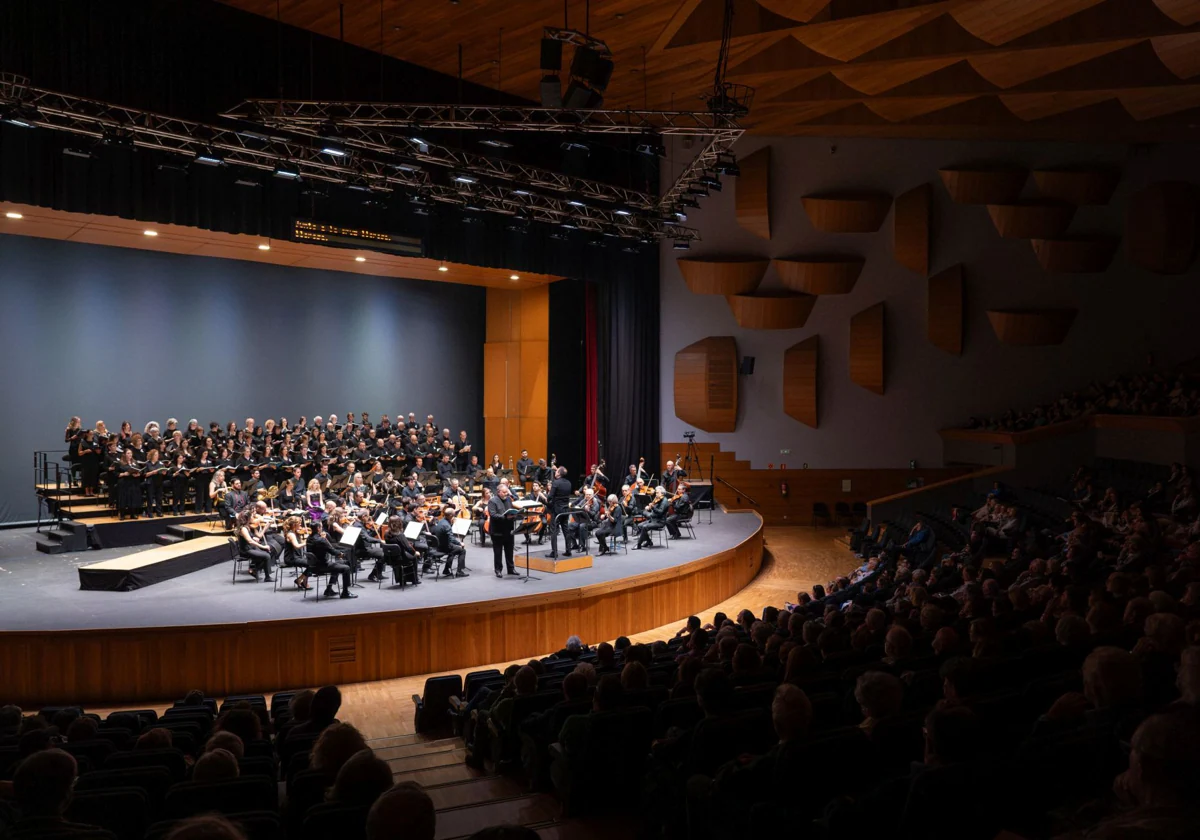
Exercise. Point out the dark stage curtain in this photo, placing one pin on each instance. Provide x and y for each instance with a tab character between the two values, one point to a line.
627	311
566	383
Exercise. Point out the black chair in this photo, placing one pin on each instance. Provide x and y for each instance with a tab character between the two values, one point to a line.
259	747
614	746
329	819
820	514
475	679
121	739
648	698
123	811
304	792
256	825
259	765
859	509
239	560
235	699
281	701
153	781
433	709
171	759
187	799
842	513
716	740
96	750
144	716
682	713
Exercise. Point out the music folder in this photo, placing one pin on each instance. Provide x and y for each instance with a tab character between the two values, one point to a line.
461	527
413	530
350	535
381	518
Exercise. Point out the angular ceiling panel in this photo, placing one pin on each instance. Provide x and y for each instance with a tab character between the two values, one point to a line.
851	39
1008	69
1179	53
1004	20
872	79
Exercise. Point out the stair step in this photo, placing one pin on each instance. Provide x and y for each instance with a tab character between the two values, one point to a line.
593	828
474	791
418	748
445	774
427	761
180	531
391	740
525	810
73	526
56	536
48	547
167	539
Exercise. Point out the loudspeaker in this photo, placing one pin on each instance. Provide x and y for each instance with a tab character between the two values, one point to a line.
551	92
592	67
551	55
579	97
747	366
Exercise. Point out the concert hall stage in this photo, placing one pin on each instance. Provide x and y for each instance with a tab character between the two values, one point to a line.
58	643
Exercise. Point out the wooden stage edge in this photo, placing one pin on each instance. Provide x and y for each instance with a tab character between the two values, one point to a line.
162	663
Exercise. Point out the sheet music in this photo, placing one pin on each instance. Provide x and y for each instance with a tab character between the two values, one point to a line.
412	530
461	527
381	518
350	535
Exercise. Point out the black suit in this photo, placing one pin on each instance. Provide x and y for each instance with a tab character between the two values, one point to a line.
501	531
615	524
556	502
449	545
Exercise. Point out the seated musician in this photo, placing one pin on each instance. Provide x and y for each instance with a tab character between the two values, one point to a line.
411	488
445	468
252	546
584	521
324	559
268	528
479	514
450	490
289	499
450	546
543	475
524	468
295	552
490	480
398	553
369	544
387	486
612	523
681	509
255	487
335	523
235	502
656	517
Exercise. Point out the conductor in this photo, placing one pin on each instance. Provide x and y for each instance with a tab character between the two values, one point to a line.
557	501
501	529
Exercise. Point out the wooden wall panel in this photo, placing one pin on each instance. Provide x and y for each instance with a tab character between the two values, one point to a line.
495	377
535	314
706	386
801	363
535	361
983	186
516	356
752	195
826	274
1161	227
945	310
1031	220
1031	327
847	212
866	349
1076	254
910	229
771	310
1077	186
499	321
723	276
156	664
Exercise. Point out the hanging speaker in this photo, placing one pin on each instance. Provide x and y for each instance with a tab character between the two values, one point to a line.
593	68
551	55
747	366
551	92
579	97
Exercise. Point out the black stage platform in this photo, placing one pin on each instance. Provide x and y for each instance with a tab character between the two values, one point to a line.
154	565
41	592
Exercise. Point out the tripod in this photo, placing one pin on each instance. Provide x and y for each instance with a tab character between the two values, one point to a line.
692	458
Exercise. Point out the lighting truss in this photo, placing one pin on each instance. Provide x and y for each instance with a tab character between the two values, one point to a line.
719	130
267	149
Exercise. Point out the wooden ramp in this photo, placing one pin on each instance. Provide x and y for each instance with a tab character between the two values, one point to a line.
145	568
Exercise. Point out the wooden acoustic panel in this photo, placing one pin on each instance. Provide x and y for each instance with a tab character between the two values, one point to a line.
1160	227
1077	186
1075	255
910	229
829	274
771	310
752	193
866	348
1032	219
1031	327
945	310
723	276
847	212
706	386
800	364
983	185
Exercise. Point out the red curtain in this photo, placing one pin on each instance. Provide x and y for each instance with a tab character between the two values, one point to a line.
591	391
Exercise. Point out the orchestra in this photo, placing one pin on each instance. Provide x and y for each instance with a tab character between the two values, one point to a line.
289	490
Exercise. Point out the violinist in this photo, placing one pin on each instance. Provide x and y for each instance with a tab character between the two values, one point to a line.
680	509
479	512
629	502
370	543
398	553
656	517
253	546
295	552
450	546
180	480
612	523
387	486
585	520
411	488
501	530
425	538
324	559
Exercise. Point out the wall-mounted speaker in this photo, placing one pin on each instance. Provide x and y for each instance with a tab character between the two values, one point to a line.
746	368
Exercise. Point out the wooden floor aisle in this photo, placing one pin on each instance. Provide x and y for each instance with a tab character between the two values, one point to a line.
795	558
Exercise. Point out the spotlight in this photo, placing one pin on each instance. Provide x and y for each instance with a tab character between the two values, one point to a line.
150	233
244	182
574	146
208	157
22	116
711	181
621	211
680	216
680	245
360	259
698	190
464	179
408	167
688	201
421	211
651	145
78	153
568	225
442	268
422	144
495	143
117	137
727	164
561	237
286	171
576	203
264	247
521	192
334	151
13	215
514	277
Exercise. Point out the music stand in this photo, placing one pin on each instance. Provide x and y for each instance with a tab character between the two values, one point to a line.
524	527
350	536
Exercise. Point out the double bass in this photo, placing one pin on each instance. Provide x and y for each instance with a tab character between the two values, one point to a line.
600	490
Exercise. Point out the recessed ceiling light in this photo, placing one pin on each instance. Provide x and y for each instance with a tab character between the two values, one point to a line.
514	277
360	259
11	215
442	268
264	247
150	232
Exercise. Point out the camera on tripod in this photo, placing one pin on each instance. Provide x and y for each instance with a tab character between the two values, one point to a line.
689	436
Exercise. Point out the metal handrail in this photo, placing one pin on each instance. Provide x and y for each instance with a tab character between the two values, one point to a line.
734	489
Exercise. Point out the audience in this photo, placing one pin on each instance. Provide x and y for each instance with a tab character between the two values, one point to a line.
216	765
405	812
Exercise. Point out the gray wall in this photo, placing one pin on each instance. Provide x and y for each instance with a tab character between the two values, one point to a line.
1124	314
118	334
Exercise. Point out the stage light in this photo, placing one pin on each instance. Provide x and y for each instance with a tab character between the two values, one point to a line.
210	158
78	153
711	181
521	192
688	201
727	164
574	146
360	259
651	145
116	137
12	215
514	277
576	203
698	190
420	142
569	225
680	215
264	247
282	171
680	245
420	211
443	268
464	179
21	116
621	211
496	144
334	151
150	233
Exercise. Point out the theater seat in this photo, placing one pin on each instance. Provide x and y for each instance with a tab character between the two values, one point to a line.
123	811
187	799
433	708
330	819
614	746
153	781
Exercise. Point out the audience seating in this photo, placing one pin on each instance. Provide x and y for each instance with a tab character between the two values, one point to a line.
432	713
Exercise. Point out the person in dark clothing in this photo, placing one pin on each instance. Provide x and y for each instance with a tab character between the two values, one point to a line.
500	529
557	501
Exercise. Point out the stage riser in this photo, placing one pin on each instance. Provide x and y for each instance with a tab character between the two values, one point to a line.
145	665
137	531
127	581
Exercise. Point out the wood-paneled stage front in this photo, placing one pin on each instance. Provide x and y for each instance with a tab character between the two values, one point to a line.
61	644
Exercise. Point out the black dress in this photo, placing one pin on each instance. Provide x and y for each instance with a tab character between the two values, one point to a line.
129	489
89	464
